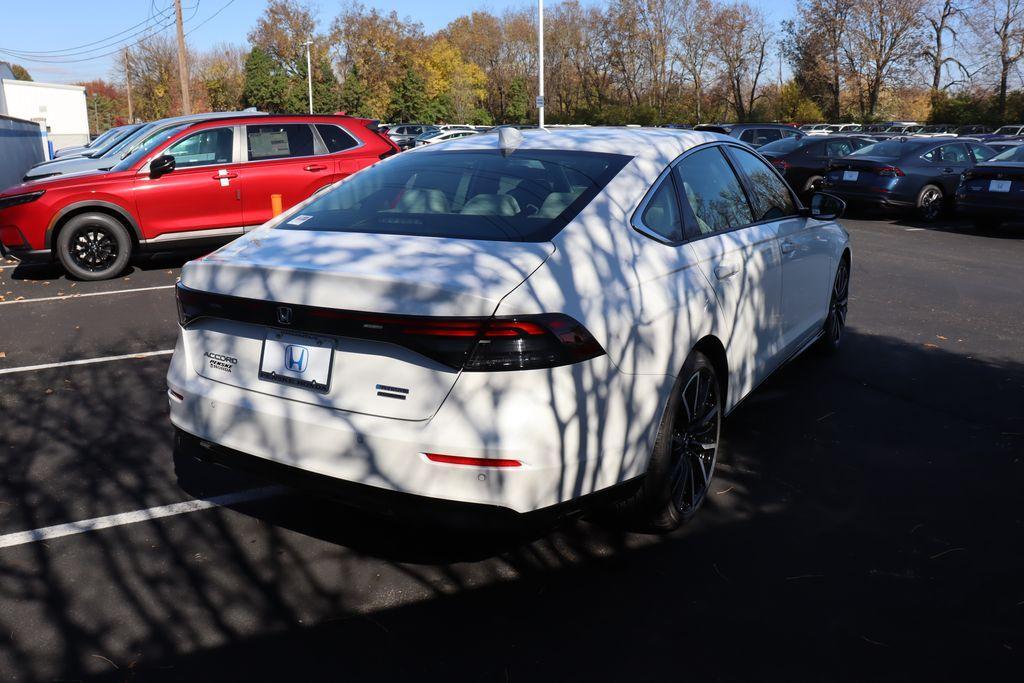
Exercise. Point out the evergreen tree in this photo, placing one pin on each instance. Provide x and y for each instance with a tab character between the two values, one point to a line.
353	94
518	103
325	87
264	87
408	99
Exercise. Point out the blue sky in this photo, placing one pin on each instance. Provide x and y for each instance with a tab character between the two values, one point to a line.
64	24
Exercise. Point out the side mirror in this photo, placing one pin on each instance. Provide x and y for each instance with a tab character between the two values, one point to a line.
825	207
161	166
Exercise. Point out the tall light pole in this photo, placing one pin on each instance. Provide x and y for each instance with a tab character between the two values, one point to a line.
309	75
128	85
186	98
540	62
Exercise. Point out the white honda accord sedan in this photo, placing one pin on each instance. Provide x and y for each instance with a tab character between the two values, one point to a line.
514	322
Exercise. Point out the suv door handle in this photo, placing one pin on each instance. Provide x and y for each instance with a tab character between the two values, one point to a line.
225	176
313	168
947	170
787	247
725	271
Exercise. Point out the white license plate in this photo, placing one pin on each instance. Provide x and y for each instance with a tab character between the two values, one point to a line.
297	360
999	186
851	176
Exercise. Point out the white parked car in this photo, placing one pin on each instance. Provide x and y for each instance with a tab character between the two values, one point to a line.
815	128
518	325
443	135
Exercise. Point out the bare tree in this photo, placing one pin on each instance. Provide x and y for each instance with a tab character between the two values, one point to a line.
882	42
694	46
943	19
999	25
742	36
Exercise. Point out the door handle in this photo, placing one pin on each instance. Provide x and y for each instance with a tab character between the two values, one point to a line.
787	247
225	176
313	168
726	270
947	170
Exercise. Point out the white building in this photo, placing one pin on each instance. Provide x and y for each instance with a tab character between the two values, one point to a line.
59	109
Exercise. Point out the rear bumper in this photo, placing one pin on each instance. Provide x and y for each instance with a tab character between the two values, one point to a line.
989	207
869	198
569	448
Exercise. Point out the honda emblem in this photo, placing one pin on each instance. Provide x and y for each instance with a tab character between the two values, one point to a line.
284	315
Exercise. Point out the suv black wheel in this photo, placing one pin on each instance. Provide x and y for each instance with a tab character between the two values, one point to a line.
94	246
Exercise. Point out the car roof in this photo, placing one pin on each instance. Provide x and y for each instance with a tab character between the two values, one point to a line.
655	144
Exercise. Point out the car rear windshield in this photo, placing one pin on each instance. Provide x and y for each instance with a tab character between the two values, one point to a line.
1012	154
890	149
787	145
527	196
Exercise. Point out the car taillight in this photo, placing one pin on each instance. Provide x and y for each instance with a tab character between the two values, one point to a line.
473	344
889	172
780	164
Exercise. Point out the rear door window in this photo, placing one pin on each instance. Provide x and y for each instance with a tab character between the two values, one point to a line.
838	148
279	141
712	192
954	154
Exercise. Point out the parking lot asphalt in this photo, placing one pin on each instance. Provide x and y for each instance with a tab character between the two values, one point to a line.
866	522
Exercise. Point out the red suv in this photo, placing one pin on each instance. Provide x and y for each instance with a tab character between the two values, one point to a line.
193	184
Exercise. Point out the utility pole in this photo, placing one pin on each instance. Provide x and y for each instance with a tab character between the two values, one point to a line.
309	75
186	99
540	62
95	115
128	84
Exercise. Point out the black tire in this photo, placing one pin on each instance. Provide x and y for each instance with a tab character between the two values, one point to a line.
930	202
686	447
838	306
94	246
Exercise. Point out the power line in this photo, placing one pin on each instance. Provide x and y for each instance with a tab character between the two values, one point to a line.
70	50
160	28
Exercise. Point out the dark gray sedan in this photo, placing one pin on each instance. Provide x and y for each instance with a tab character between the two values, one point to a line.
905	173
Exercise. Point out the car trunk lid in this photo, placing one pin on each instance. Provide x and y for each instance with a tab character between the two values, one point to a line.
366	281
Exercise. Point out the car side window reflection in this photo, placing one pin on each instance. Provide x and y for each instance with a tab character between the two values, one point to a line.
771	198
713	192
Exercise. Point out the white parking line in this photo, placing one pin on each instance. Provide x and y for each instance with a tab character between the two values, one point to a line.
72	528
84	361
914	229
81	296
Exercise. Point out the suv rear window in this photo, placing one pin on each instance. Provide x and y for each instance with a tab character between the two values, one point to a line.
528	196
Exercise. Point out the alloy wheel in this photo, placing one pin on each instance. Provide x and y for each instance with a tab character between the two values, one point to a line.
93	247
931	203
840	303
695	441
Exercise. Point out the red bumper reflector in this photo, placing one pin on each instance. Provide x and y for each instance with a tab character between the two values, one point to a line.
473	462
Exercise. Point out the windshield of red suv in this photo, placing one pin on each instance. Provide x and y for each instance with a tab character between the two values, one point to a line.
148	146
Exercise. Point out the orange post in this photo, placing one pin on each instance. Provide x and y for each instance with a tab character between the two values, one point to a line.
275	204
